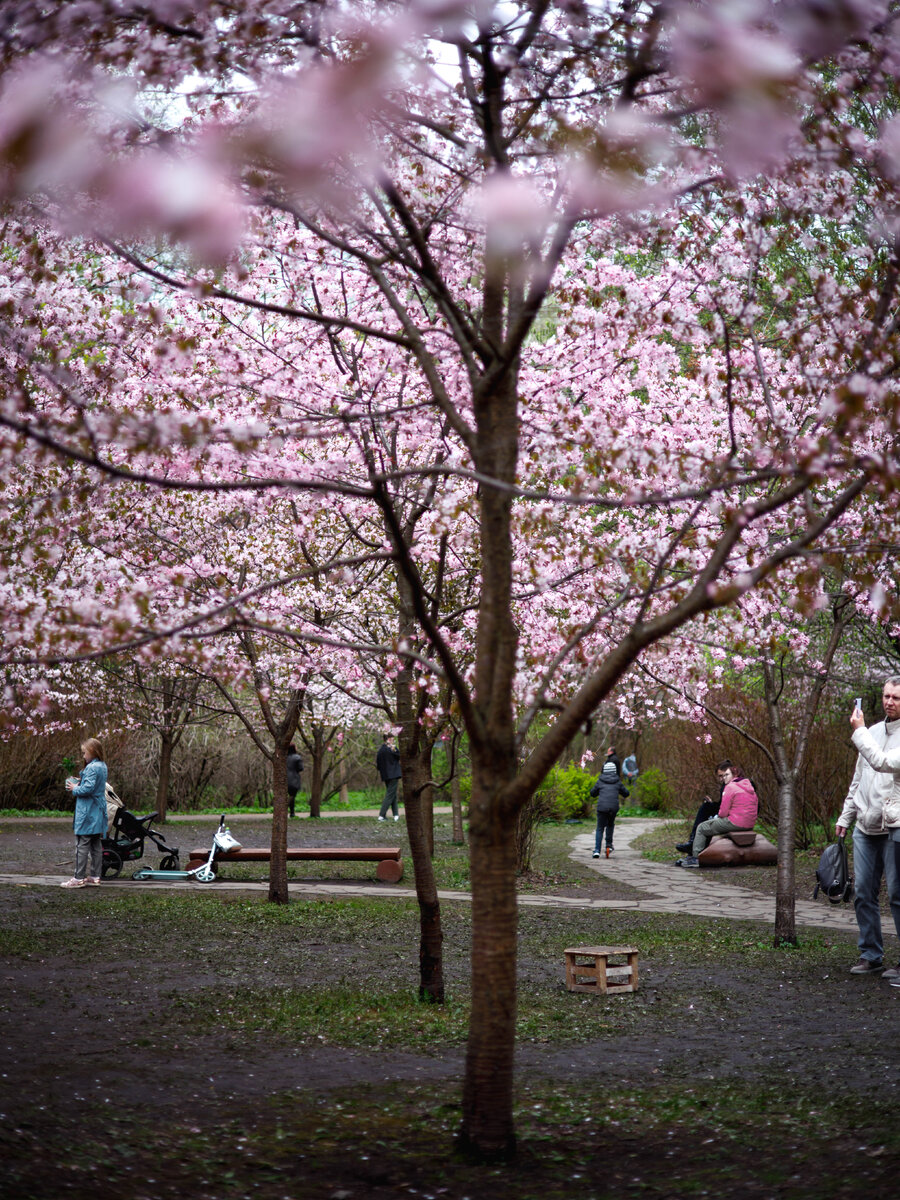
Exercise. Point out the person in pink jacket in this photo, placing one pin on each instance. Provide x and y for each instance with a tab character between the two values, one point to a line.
738	810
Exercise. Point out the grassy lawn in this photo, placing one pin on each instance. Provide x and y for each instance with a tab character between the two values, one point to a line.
724	1072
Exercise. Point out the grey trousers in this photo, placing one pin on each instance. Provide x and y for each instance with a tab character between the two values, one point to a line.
707	830
88	850
389	803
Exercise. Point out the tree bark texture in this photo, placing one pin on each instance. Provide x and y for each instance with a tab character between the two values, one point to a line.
278	883
458	836
487	1124
416	772
785	907
316	744
166	744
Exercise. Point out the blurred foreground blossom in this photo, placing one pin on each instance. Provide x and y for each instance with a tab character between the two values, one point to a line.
513	211
42	144
189	198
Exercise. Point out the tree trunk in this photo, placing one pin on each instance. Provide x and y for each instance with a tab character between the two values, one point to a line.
427	804
166	743
458	836
487	1125
317	756
278	883
345	790
785	925
416	772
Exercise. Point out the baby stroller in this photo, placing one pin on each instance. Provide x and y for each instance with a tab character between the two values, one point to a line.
126	839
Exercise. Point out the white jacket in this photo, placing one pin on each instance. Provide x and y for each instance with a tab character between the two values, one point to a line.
874	795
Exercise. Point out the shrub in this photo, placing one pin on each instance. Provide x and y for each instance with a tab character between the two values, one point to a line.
651	790
567	791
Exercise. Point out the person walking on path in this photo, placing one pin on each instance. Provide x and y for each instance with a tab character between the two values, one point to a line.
607	789
294	765
873	801
738	811
387	762
90	819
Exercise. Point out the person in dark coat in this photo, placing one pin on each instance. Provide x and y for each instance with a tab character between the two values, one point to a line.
294	764
607	789
387	761
90	819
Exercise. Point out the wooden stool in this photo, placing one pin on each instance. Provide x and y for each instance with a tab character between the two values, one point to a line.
600	975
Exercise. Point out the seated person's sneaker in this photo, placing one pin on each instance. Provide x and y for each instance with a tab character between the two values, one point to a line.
683	847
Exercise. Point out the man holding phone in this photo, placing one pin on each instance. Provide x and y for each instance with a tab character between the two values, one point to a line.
872	803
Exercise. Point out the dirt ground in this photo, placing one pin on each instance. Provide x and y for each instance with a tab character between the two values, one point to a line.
91	1037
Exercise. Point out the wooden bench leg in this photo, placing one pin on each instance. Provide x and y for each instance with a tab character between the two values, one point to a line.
389	871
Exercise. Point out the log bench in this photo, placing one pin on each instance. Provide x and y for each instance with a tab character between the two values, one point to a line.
739	848
389	869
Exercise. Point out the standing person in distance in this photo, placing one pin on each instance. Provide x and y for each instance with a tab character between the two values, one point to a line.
90	819
607	789
387	761
294	765
873	801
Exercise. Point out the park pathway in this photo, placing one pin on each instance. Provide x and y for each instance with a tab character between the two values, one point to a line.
670	889
661	887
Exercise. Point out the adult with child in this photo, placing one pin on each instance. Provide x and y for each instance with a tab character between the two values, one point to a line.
90	819
873	802
738	810
607	789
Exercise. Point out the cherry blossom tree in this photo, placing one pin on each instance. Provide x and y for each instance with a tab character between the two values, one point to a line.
547	230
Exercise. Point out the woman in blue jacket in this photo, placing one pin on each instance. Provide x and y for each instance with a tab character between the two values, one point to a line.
90	815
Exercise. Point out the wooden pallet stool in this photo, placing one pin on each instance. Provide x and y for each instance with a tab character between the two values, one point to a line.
600	975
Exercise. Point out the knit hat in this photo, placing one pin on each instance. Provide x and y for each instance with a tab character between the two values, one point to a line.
609	771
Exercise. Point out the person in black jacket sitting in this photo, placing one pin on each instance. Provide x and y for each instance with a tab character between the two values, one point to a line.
607	789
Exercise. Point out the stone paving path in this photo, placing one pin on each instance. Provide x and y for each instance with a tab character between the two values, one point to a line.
664	887
670	889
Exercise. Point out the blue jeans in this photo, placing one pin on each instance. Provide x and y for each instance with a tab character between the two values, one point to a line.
605	820
874	856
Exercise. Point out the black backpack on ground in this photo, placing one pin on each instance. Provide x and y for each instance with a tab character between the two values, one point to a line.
833	873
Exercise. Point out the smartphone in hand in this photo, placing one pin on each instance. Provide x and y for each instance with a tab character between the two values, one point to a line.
858	703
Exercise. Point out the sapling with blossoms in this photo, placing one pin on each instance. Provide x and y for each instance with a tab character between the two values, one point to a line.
475	160
786	641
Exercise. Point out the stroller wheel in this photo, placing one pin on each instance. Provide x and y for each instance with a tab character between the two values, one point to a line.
112	864
169	863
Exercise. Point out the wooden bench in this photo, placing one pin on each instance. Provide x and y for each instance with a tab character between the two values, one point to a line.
739	848
389	869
